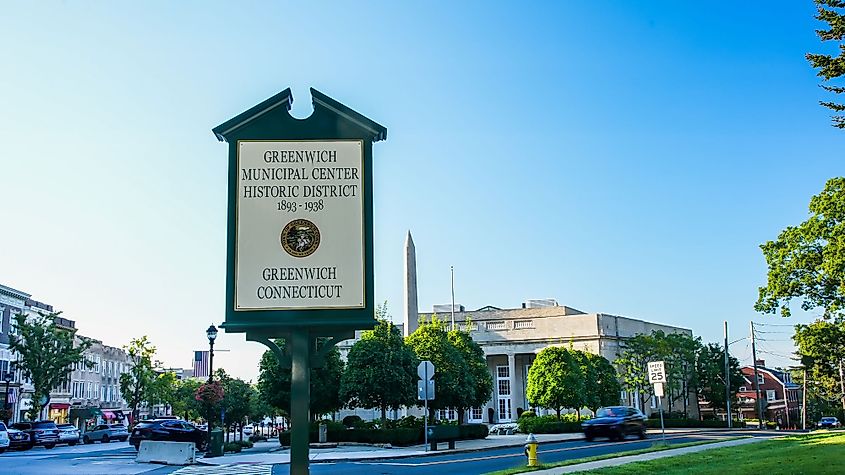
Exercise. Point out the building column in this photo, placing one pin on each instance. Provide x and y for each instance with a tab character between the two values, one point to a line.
512	378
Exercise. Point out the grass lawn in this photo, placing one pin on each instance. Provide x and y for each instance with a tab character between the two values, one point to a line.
656	447
818	453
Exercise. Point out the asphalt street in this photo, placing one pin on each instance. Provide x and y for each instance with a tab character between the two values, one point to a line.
118	458
497	459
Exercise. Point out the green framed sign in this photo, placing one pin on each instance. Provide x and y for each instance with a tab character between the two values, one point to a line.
300	222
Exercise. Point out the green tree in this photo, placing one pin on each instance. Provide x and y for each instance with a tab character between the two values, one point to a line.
602	386
555	380
680	351
632	364
831	12
236	403
274	383
807	261
136	383
477	380
185	403
46	354
710	376
822	344
431	342
161	390
381	371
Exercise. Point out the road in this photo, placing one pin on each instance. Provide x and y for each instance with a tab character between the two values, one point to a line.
118	458
498	459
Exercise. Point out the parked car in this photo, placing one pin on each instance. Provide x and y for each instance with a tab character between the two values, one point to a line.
4	438
615	422
68	434
106	433
168	430
829	423
18	440
40	432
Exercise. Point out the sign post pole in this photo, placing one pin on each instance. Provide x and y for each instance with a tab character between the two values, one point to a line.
425	416
300	397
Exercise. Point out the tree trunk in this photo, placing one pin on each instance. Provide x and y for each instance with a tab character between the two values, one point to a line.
578	411
461	412
383	416
558	413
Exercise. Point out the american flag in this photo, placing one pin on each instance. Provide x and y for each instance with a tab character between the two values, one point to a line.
200	364
13	396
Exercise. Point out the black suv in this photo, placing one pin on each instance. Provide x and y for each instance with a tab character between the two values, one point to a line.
40	433
615	422
169	430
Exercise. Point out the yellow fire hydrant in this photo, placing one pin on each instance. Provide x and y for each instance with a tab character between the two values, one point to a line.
531	451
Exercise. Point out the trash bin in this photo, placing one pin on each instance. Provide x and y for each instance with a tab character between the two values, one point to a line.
215	446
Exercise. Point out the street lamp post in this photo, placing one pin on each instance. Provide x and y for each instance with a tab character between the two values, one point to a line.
7	377
211	333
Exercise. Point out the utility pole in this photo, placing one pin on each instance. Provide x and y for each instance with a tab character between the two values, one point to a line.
727	379
804	400
842	383
757	378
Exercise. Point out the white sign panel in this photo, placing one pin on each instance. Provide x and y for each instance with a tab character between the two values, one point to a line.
658	389
299	240
656	372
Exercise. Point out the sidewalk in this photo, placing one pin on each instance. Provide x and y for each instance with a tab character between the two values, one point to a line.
645	457
269	453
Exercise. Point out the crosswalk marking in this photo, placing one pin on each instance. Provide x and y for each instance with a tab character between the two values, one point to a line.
229	469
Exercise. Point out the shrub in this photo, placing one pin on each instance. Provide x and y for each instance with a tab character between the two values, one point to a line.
352	421
547	425
654	423
244	444
527	414
231	447
473	431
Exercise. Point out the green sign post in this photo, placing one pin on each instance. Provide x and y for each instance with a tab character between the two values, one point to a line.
299	261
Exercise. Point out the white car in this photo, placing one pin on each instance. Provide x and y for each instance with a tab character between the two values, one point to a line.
4	438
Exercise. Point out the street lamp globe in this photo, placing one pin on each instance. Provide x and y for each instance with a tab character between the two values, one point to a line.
212	333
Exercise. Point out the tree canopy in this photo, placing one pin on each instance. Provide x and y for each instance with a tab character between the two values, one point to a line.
137	383
807	261
46	354
431	342
830	67
710	376
822	347
381	371
555	380
274	383
477	381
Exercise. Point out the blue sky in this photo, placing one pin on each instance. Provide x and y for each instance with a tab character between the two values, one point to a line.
620	157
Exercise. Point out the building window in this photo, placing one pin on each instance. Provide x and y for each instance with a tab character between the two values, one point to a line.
503	386
503	372
496	325
522	324
761	379
770	395
476	414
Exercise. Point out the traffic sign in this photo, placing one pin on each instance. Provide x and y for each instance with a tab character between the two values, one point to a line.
425	370
658	389
656	372
425	392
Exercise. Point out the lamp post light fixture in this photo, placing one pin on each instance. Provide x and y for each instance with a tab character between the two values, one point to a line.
211	333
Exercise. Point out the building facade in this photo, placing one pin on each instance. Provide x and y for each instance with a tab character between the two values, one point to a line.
781	398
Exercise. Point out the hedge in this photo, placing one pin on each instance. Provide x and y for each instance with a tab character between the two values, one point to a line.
400	436
654	423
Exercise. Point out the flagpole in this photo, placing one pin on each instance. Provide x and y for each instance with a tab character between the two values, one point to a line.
452	270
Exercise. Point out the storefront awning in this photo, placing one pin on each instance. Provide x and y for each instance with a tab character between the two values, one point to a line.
84	412
109	415
59	405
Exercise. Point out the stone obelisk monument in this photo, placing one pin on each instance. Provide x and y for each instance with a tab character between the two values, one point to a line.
411	310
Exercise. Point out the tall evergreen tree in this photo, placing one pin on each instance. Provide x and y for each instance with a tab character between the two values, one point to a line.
830	67
46	354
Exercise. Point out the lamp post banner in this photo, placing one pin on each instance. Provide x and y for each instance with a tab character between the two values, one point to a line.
299	215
